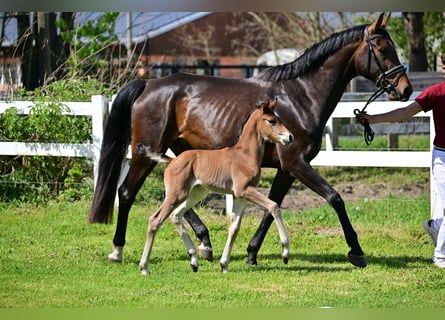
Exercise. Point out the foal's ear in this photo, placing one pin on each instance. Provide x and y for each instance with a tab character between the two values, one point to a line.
269	107
273	104
378	23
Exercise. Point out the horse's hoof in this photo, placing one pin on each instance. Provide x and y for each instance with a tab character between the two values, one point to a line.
194	268
112	259
251	259
206	253
358	261
285	260
144	272
116	255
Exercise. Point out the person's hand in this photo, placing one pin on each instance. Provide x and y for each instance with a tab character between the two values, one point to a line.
362	118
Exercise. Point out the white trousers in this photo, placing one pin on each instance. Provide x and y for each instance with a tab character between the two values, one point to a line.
438	224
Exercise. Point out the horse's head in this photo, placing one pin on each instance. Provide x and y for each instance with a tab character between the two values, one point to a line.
377	60
270	125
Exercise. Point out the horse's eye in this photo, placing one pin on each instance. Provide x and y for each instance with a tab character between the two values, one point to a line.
272	122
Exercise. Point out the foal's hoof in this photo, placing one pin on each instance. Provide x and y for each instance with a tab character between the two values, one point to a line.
194	268
285	260
358	261
206	253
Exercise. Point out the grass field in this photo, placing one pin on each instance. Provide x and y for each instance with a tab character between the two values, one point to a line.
51	257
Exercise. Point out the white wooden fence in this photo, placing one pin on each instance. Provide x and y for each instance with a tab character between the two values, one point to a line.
98	108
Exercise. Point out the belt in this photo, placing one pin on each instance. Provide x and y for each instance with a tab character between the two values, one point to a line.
439	148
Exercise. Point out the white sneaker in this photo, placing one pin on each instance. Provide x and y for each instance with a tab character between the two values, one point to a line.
440	263
428	229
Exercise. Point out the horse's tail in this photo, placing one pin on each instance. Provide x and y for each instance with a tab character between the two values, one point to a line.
145	151
117	137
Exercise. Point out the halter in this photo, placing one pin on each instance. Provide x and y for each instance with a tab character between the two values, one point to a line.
383	83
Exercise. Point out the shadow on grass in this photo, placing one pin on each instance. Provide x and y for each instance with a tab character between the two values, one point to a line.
330	262
317	262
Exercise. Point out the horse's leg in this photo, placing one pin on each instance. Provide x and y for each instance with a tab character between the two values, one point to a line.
281	184
253	195
202	233
196	194
139	170
307	175
236	215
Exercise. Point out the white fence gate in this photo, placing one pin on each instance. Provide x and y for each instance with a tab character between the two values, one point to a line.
98	108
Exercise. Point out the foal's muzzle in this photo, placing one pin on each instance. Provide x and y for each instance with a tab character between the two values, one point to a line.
287	139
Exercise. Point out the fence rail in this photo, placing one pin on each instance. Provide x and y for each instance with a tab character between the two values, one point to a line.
99	107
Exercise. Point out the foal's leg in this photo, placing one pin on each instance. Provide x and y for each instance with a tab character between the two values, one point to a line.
197	194
155	222
281	184
253	195
202	233
236	215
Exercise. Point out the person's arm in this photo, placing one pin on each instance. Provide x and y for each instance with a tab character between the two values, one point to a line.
396	115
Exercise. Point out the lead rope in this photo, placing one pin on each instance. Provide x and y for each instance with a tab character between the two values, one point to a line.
368	133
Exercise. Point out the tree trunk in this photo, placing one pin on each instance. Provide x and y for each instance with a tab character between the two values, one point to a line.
413	27
27	54
46	43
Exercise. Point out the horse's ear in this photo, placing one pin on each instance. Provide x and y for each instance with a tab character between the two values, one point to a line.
385	21
377	23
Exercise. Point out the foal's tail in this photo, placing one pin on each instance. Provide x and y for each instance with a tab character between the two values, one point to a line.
117	137
145	151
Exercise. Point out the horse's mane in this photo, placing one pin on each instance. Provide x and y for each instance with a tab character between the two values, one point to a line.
313	56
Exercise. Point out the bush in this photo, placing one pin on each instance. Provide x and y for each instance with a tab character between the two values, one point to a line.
39	178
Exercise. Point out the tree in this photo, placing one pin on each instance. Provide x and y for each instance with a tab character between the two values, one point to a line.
413	28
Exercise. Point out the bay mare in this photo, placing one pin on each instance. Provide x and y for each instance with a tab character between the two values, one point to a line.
185	111
232	170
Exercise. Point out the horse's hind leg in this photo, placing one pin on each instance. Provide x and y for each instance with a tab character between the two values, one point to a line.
140	168
280	186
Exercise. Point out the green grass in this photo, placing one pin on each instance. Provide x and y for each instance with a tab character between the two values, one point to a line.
51	257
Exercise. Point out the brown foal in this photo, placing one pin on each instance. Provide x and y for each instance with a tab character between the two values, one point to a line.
233	170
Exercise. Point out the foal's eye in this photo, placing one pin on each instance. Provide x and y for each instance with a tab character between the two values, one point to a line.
272	122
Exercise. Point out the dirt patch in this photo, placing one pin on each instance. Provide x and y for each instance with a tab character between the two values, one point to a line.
300	198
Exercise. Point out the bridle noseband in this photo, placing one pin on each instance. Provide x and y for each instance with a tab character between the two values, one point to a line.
383	83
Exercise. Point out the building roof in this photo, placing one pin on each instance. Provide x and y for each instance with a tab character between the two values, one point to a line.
144	24
153	24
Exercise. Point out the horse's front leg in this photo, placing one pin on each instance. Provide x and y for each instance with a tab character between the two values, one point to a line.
307	175
281	184
236	215
205	249
253	195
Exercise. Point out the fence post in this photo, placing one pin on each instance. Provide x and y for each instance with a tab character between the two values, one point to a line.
99	117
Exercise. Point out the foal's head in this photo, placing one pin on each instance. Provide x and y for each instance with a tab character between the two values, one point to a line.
270	126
